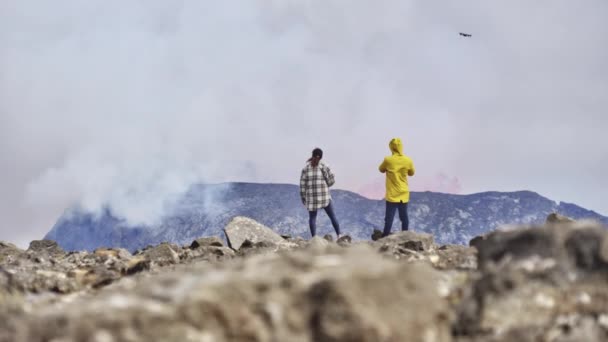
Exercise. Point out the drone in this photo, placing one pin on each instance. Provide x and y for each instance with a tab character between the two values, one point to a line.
465	34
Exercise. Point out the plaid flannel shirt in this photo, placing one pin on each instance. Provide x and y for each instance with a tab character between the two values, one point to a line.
314	186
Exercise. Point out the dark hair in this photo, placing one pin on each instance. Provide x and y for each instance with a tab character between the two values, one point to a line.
317	152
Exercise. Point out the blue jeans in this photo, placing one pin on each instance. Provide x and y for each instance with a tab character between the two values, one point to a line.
312	219
391	207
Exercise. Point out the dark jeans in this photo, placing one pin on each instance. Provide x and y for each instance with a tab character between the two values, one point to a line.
312	219
391	207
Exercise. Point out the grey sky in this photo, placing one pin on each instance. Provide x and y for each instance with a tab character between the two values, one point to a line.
130	102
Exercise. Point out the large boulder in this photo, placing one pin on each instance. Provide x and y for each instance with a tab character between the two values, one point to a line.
163	254
241	228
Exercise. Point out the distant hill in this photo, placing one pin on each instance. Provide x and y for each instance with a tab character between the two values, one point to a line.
205	209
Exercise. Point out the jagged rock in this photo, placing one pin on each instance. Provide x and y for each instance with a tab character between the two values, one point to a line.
46	268
48	246
408	239
351	294
241	228
214	241
162	255
413	245
406	245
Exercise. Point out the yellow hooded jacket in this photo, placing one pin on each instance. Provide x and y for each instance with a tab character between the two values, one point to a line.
397	167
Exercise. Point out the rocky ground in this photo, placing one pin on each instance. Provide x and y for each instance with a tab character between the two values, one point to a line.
545	283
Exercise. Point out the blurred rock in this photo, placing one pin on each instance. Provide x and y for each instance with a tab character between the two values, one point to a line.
163	254
118	253
344	240
136	265
530	276
542	283
9	252
455	257
47	246
249	248
408	239
352	295
476	241
557	218
318	243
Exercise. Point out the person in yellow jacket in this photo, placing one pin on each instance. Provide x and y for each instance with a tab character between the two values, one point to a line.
397	168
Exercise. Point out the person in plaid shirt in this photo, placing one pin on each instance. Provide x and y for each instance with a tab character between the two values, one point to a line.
315	181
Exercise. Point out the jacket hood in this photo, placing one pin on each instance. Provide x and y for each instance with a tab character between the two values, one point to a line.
396	146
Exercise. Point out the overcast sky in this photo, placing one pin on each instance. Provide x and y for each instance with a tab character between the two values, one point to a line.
129	102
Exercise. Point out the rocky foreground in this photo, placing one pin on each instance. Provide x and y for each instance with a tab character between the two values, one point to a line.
546	283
